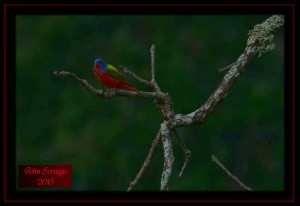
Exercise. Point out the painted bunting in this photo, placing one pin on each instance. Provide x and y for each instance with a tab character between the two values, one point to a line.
111	77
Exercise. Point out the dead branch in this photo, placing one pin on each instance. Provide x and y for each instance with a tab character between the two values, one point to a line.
168	155
214	159
147	162
187	152
261	40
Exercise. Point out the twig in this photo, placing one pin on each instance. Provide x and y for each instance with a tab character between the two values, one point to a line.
147	162
186	151
153	81
214	159
152	51
136	77
168	156
227	67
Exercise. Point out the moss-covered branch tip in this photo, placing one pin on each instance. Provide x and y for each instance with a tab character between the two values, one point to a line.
263	34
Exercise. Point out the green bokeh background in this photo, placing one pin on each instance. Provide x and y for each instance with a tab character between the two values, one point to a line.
107	141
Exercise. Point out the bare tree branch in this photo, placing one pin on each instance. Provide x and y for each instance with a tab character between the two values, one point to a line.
152	51
168	155
136	77
187	152
227	67
147	162
153	81
214	159
261	40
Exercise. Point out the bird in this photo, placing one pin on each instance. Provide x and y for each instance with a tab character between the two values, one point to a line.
110	76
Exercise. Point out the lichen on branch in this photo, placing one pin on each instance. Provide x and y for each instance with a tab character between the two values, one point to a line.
263	34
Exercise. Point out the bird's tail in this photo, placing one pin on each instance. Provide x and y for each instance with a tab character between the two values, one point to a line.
130	88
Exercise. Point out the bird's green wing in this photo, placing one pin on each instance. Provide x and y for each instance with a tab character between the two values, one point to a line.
113	72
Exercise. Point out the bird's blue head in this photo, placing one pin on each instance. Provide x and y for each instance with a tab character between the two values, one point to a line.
101	63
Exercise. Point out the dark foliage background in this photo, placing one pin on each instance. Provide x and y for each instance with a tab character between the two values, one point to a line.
106	141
